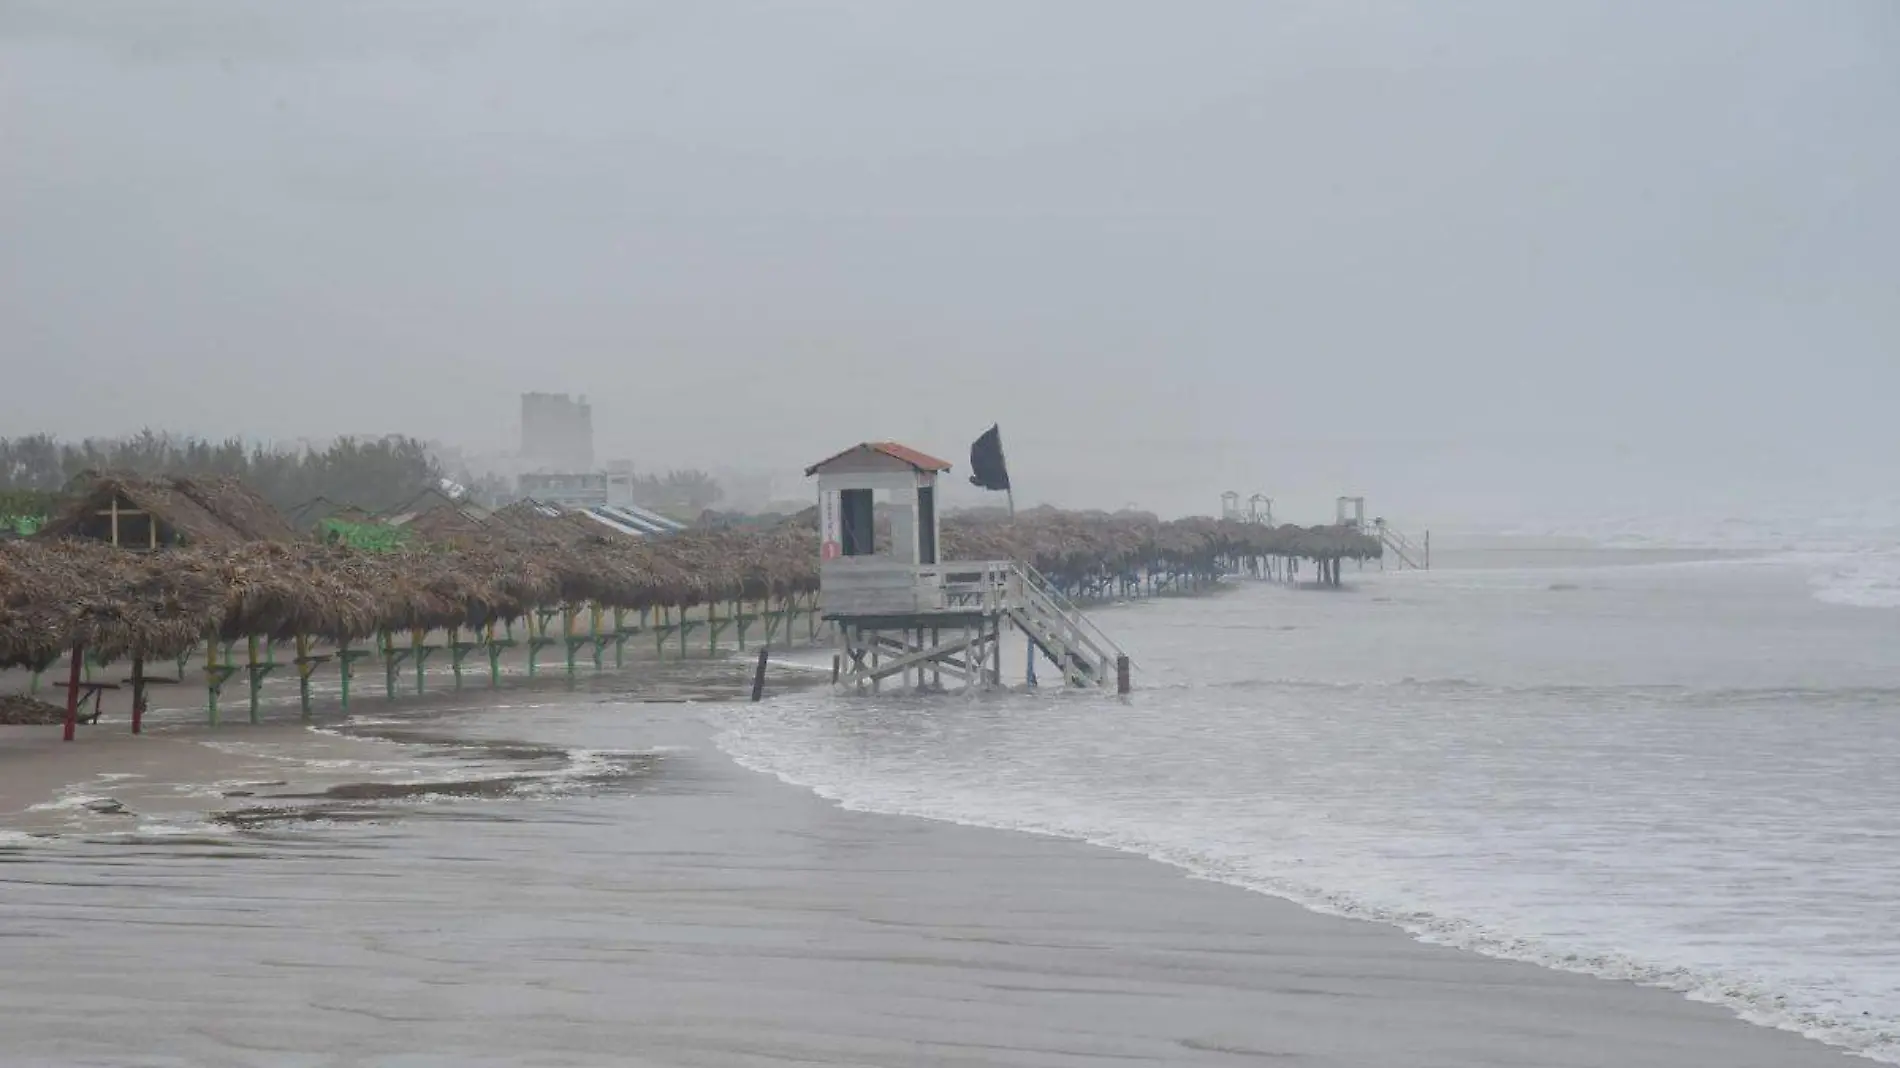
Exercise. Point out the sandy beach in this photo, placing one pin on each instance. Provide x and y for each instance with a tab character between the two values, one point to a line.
683	911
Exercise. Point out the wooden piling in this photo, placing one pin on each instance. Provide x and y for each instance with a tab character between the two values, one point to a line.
72	692
758	676
138	694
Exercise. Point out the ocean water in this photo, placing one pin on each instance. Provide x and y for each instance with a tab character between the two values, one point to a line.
1680	772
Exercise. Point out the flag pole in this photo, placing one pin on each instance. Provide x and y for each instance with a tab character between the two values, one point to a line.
1011	494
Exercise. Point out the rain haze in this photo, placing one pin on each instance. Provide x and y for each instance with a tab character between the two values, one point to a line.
1475	261
1461	632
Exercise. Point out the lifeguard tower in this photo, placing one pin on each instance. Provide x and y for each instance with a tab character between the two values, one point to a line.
903	614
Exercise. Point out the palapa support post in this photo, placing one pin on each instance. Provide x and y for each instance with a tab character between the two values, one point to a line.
72	691
538	636
567	635
686	626
306	664
593	633
495	647
258	670
420	650
620	638
33	684
392	664
714	626
459	650
216	675
346	659
758	675
389	665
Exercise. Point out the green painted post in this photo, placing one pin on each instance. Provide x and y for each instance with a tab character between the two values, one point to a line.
345	664
659	632
494	654
421	655
212	682
455	654
305	666
257	678
33	685
593	631
389	665
534	647
567	636
620	638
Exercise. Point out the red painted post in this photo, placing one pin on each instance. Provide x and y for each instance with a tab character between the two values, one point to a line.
72	694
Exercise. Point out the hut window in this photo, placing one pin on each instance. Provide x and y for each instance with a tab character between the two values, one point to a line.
859	519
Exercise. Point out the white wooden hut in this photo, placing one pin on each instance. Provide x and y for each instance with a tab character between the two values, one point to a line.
901	611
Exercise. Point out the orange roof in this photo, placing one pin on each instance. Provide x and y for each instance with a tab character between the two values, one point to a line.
918	460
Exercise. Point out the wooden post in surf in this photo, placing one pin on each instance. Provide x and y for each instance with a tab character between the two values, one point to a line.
138	693
72	692
758	675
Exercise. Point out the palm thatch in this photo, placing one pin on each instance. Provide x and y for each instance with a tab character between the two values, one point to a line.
198	512
240	576
55	595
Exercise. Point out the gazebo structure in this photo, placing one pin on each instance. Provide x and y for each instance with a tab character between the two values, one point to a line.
903	613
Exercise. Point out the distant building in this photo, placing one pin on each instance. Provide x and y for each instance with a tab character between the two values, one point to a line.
592	489
557	432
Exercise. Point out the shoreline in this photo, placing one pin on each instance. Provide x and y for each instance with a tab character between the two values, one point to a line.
1486	946
735	918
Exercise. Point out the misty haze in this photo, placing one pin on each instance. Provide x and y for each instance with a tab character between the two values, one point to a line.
724	533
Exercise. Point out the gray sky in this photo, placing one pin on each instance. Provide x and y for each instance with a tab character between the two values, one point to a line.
1465	258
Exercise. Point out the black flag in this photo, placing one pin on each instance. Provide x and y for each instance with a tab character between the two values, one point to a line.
986	461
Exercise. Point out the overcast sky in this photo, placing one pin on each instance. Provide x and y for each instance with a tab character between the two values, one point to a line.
1464	258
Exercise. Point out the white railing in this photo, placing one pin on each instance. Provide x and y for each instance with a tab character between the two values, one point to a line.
1408	553
1073	615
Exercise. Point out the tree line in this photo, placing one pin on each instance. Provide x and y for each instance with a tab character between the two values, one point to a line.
377	474
374	473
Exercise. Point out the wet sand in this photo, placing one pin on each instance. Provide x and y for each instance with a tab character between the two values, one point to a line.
698	914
